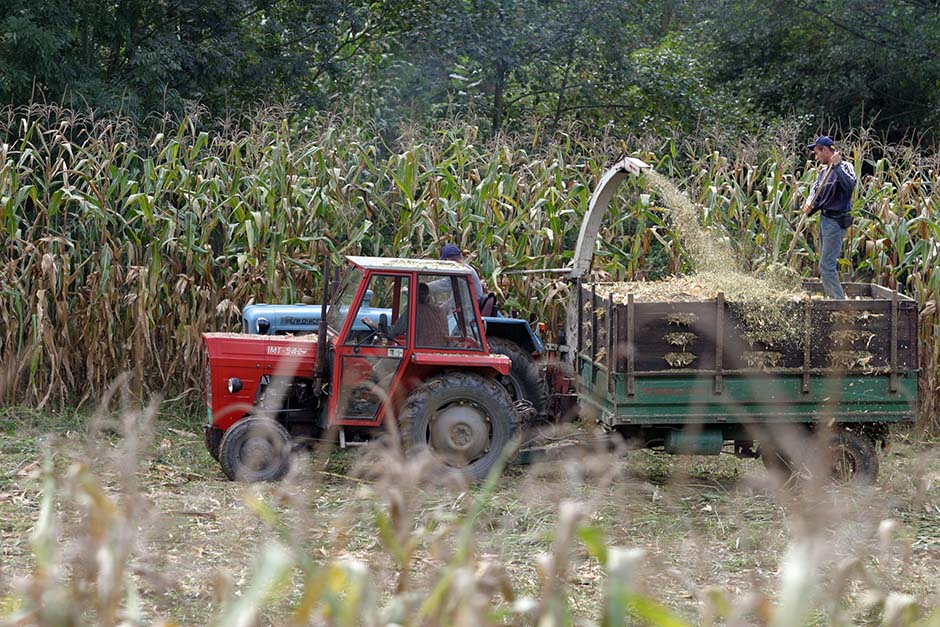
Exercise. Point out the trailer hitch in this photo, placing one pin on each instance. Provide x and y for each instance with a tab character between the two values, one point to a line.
525	410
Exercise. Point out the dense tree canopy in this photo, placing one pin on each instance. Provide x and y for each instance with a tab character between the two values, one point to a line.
512	63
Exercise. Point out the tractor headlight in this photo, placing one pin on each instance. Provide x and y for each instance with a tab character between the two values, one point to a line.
263	326
234	385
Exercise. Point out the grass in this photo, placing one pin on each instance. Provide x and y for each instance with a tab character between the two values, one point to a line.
712	531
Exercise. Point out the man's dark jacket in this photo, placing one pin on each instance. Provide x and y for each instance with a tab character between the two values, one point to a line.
834	197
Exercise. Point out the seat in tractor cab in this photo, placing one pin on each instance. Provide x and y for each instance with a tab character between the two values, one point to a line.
488	305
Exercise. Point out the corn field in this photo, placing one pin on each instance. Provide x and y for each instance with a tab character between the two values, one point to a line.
120	246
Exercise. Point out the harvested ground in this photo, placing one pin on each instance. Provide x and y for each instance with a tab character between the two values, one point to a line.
704	524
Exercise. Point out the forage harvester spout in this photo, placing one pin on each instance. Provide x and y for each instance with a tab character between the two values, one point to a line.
597	209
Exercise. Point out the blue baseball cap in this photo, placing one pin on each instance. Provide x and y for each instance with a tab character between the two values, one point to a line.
450	251
822	140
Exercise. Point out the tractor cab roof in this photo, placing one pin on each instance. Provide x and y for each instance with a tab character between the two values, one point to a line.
408	265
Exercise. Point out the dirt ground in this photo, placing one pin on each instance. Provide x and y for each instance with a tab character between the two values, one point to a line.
703	523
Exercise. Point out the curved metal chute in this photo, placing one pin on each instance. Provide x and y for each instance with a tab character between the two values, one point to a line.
597	209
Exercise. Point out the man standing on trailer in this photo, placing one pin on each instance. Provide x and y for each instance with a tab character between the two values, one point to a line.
831	195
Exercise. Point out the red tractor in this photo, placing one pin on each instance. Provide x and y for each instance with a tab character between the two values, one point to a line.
425	363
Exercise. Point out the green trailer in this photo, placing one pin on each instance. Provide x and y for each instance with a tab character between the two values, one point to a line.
847	373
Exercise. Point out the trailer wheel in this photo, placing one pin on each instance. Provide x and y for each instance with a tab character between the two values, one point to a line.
525	380
255	449
849	457
463	419
854	458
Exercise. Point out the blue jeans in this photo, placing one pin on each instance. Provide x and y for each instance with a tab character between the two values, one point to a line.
831	236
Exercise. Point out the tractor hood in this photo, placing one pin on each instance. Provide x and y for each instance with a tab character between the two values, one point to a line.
238	364
297	319
263	352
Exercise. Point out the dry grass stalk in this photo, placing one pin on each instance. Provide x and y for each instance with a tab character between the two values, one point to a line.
679	359
593	538
762	360
850	359
850	337
680	339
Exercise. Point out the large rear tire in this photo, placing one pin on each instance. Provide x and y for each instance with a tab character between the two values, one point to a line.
525	380
464	420
255	449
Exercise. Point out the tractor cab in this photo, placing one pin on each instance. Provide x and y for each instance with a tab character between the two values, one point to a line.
395	322
400	339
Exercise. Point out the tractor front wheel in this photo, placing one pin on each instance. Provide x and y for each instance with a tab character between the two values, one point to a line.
255	449
464	420
213	438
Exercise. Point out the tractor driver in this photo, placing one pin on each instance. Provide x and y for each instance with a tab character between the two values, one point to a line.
430	321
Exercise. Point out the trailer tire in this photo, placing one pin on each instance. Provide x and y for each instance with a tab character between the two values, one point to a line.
256	449
525	380
464	420
854	458
849	456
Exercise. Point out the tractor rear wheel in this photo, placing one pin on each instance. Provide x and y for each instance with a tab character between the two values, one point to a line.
464	420
525	380
255	449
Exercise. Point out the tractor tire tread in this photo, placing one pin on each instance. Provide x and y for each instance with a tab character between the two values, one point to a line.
229	450
526	372
421	402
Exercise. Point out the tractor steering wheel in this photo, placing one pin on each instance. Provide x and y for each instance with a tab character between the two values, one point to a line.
377	331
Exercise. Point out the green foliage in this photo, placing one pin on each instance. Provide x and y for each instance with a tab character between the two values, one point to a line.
518	64
857	61
148	56
119	249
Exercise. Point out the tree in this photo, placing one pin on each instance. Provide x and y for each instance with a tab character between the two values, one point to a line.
846	60
154	55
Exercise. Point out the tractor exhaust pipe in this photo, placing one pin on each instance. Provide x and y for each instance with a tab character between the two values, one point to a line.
321	367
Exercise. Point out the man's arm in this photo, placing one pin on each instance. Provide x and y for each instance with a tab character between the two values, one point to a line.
844	176
477	283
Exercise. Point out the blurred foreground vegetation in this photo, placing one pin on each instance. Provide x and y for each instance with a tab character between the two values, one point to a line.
118	519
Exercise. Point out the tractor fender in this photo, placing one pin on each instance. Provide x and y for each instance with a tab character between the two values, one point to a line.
517	331
497	364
